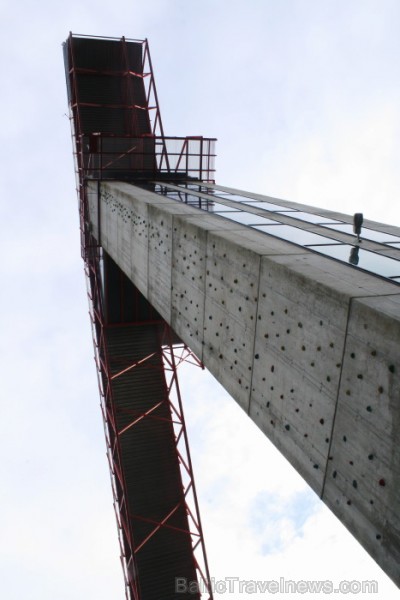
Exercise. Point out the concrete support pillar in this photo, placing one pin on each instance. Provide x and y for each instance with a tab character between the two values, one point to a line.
307	346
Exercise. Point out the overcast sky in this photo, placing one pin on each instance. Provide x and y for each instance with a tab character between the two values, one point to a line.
304	99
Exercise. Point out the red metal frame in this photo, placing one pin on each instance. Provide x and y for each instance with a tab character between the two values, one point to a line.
172	357
190	156
93	278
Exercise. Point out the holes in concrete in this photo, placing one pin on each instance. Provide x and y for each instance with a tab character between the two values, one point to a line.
382	482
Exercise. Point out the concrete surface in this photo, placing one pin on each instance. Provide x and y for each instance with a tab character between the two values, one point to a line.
308	347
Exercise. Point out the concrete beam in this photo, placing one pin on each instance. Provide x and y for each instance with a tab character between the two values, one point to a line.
307	346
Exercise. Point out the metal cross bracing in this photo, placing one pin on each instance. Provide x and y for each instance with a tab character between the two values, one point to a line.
168	356
116	76
115	117
136	353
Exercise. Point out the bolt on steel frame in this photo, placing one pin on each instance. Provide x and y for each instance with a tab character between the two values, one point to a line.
172	354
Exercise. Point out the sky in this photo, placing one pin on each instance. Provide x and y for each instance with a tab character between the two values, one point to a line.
303	97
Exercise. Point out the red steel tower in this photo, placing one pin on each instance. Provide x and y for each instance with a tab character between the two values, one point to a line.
118	135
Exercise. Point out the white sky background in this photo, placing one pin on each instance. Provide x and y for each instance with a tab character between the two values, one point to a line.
304	98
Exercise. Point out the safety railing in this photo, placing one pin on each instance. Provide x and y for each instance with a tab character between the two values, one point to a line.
124	158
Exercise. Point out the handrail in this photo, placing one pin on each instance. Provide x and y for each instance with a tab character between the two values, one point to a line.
107	156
